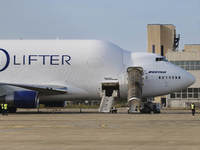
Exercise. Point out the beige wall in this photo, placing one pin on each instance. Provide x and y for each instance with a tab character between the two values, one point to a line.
178	56
167	38
160	35
153	38
194	47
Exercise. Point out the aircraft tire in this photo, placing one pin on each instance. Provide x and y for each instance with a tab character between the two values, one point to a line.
147	109
12	109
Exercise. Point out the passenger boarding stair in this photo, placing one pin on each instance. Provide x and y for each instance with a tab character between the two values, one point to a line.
107	101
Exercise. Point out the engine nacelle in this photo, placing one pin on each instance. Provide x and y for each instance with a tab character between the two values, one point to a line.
23	99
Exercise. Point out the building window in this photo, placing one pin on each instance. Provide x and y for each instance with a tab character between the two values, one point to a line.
187	65
153	48
172	95
162	50
189	93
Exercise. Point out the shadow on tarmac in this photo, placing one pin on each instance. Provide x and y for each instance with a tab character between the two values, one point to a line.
93	111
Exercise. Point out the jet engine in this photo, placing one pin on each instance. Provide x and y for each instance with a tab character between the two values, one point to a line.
21	99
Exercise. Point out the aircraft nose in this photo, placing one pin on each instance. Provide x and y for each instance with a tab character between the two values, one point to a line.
191	79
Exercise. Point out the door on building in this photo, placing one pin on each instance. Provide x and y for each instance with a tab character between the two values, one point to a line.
163	102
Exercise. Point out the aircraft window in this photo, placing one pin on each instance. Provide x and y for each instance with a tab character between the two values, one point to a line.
175	77
165	77
162	77
159	77
146	77
179	77
161	59
172	77
169	77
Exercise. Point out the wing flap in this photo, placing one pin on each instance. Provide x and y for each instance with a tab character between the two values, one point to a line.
41	89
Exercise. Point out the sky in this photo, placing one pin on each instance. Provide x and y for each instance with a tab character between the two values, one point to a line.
122	22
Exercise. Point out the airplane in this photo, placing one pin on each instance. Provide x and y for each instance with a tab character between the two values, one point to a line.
49	72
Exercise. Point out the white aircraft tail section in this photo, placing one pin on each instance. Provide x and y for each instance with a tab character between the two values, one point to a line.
107	101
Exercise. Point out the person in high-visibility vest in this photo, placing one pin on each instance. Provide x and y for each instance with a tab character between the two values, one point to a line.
2	108
193	108
5	108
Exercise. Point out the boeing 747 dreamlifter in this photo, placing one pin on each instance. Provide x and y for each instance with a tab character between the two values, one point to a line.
43	71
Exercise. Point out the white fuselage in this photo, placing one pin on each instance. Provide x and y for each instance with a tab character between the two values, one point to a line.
82	66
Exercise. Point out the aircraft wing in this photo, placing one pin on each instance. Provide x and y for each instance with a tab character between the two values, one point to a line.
41	89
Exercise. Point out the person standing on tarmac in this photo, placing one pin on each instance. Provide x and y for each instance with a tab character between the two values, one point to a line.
2	108
193	108
5	108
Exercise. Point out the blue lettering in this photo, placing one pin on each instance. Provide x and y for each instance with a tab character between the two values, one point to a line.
43	59
44	56
15	63
53	59
8	60
23	59
66	58
30	59
157	71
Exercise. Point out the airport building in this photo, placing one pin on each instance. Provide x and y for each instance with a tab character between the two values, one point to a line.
188	59
163	40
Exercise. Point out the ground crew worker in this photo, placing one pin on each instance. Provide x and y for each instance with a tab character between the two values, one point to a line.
2	108
193	108
5	108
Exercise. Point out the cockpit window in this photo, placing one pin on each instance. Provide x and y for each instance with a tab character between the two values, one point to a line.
161	59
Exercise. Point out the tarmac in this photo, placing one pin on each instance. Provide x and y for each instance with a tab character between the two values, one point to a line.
68	129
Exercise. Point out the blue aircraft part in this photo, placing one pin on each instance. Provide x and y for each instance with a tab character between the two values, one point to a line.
25	99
